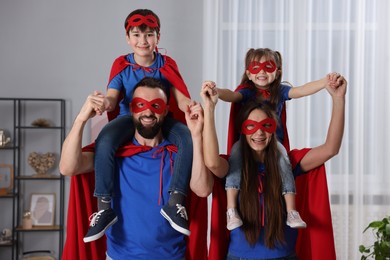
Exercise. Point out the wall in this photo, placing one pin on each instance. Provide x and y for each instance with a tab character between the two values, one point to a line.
64	49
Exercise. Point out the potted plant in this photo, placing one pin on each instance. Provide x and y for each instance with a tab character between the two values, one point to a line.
380	250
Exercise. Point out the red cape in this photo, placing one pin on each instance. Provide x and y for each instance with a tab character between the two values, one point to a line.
316	242
82	203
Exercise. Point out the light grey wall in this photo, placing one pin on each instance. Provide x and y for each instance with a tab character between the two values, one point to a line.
65	49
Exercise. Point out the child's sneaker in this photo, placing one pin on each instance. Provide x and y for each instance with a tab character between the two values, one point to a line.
233	219
177	217
100	222
294	220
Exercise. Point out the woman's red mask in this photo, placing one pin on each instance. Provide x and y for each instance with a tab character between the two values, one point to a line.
250	126
157	105
268	66
138	19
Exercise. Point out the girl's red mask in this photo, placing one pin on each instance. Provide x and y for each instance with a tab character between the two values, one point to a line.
157	105
268	66
250	126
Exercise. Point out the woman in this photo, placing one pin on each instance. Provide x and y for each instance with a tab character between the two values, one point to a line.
264	235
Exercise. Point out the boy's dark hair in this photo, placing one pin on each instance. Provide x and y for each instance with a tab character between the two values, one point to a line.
150	82
143	27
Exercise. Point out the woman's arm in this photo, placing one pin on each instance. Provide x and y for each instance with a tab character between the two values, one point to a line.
213	161
320	154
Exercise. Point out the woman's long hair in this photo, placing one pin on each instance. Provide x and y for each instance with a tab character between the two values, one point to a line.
256	55
272	187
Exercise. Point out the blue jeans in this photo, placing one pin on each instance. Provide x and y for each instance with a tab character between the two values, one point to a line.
120	131
233	178
290	257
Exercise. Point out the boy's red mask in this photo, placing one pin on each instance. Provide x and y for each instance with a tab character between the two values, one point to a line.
157	105
250	126
268	66
138	19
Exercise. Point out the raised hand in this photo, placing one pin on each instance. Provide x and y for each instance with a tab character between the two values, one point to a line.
194	118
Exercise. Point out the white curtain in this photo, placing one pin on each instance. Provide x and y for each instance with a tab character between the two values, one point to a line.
317	37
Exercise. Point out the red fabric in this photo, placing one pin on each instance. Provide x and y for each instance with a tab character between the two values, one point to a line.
82	203
316	241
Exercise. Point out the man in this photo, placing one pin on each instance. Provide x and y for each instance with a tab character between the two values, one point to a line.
142	179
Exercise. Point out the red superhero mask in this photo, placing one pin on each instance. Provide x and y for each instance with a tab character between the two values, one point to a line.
157	105
138	19
250	126
268	66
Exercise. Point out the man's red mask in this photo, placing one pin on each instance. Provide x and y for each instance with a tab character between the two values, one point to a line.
157	105
250	126
268	66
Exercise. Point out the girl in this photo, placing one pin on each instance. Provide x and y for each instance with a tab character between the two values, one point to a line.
264	234
262	81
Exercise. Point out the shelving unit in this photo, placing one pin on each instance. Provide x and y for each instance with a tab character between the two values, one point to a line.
16	117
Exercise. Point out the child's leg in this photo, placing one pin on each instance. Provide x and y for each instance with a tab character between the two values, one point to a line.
232	186
288	182
174	211
113	135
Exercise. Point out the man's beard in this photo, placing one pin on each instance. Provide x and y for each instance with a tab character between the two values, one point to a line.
147	132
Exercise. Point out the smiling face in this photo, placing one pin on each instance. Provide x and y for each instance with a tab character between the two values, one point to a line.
260	139
262	72
149	110
143	43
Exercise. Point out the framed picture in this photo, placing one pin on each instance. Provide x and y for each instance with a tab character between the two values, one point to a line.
42	208
6	178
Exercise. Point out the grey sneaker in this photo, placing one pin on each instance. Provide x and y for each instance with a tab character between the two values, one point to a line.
294	220
233	220
100	222
177	217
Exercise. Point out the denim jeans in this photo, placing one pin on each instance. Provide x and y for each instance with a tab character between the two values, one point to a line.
120	131
233	178
290	257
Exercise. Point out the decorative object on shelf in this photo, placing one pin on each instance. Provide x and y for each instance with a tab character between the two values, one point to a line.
41	122
4	140
41	163
27	220
6	236
6	178
42	207
38	255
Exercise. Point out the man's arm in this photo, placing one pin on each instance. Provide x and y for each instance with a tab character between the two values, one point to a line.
73	161
213	161
202	180
320	154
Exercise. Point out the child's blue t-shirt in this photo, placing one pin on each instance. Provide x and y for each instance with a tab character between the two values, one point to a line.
250	93
126	80
141	231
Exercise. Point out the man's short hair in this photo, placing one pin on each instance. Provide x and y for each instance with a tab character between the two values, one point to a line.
150	82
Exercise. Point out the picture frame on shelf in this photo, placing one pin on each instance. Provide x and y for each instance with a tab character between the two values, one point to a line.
6	178
42	208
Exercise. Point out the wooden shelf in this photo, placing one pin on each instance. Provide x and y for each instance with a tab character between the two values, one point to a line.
39	228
